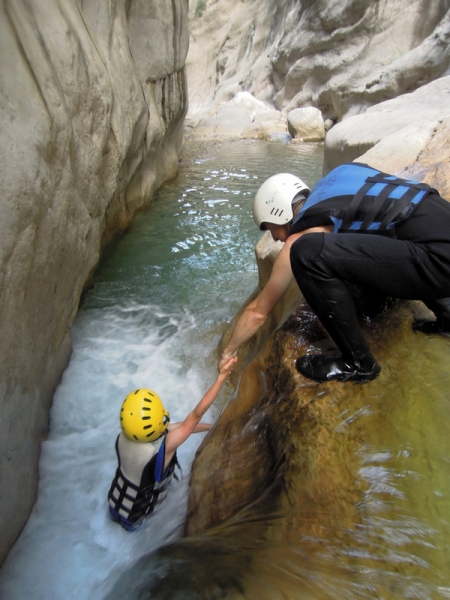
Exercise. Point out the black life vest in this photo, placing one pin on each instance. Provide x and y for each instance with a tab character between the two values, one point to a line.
357	198
140	484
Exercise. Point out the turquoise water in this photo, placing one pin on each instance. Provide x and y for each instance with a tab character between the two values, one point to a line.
161	298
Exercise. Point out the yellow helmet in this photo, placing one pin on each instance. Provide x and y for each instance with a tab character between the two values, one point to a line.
143	417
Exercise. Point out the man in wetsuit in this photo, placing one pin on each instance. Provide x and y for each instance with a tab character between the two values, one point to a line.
357	226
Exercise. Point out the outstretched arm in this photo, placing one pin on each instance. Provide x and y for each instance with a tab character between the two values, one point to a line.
177	436
200	428
256	313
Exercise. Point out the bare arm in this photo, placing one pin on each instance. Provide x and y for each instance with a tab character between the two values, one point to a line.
179	434
200	428
256	313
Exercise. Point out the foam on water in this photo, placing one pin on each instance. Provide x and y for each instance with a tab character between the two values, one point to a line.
69	545
153	319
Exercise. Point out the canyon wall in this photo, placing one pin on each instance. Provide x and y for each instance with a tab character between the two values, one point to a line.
341	56
92	105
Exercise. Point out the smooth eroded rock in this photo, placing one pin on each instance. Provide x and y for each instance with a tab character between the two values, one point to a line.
92	102
306	123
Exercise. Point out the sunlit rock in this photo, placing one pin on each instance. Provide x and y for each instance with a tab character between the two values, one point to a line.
229	121
242	115
339	57
266	126
393	135
306	123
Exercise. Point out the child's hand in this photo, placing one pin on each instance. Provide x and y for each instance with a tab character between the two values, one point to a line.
228	366
224	359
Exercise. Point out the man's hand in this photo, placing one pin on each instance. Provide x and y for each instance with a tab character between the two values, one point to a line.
256	313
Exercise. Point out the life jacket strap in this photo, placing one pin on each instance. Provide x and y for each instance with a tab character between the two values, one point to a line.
397	208
391	183
377	203
350	213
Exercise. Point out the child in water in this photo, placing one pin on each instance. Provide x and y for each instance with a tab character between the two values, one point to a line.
146	451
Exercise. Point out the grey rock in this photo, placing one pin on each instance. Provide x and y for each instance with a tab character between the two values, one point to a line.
306	123
92	102
340	57
394	133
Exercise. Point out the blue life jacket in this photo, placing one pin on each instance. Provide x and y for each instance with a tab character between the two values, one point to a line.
358	198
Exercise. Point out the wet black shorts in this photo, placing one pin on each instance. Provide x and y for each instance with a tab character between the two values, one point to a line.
415	265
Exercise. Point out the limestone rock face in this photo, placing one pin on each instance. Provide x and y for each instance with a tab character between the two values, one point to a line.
267	126
340	57
306	123
92	102
241	116
407	135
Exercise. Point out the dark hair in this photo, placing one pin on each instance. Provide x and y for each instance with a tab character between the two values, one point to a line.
297	201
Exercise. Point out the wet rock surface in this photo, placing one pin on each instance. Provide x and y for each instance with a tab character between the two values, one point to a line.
93	99
280	424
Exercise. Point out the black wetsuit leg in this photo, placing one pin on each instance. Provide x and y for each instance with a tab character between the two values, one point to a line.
441	325
325	263
396	268
430	224
331	300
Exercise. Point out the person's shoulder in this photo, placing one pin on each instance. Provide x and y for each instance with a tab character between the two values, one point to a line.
291	239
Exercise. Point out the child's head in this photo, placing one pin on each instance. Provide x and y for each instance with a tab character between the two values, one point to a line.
143	417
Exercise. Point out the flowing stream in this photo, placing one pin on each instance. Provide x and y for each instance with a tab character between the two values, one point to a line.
162	295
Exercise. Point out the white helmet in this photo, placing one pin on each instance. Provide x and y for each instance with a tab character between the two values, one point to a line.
273	200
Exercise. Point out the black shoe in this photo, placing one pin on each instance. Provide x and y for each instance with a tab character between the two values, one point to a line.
321	367
430	327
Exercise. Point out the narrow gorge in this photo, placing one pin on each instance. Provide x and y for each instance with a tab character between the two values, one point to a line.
93	104
96	105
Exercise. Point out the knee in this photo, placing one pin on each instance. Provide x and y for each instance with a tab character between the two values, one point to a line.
305	252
